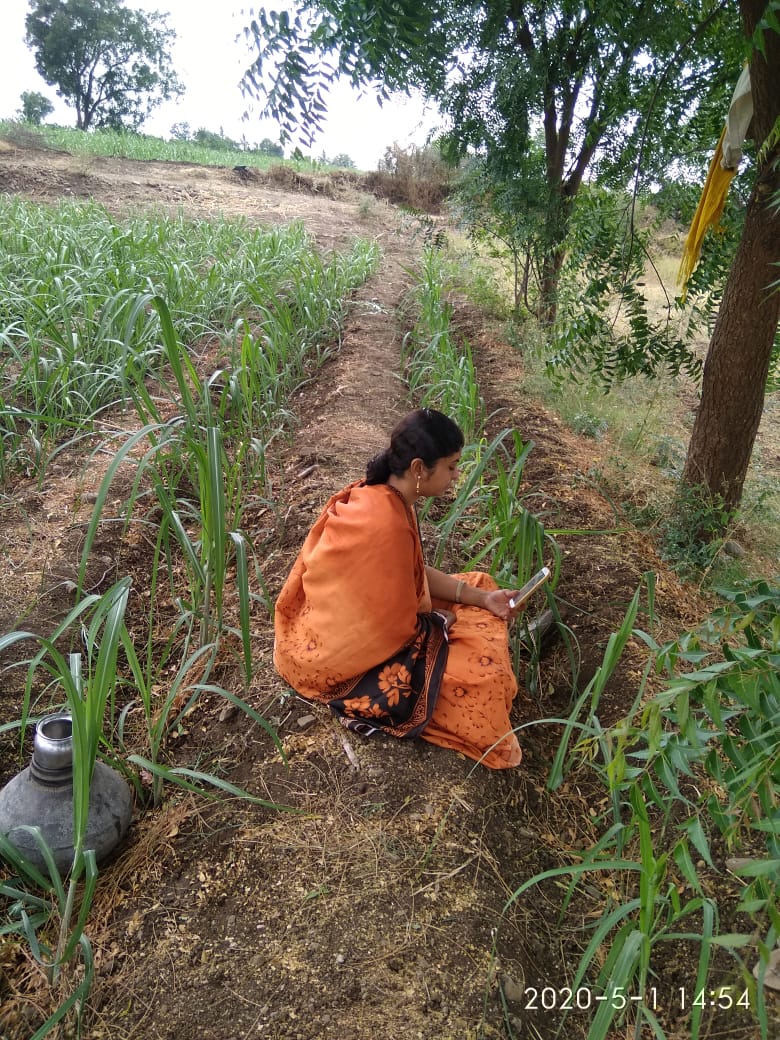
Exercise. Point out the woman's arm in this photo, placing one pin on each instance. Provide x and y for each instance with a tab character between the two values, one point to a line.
455	590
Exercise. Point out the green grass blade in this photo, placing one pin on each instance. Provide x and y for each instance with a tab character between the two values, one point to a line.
77	997
193	779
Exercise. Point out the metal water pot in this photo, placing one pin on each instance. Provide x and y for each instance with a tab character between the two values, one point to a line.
42	796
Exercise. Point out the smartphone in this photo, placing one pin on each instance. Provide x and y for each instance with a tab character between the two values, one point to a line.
530	586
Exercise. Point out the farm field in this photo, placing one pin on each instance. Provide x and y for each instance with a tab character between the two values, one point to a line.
378	908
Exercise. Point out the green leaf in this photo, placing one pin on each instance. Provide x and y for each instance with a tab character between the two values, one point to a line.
192	779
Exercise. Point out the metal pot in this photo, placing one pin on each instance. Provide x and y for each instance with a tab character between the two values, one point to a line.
42	796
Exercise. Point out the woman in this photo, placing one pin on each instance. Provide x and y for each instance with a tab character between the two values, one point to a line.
364	626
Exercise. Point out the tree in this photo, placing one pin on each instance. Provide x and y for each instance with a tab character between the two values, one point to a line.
344	161
218	142
619	89
737	364
269	147
598	79
35	107
110	63
502	213
180	132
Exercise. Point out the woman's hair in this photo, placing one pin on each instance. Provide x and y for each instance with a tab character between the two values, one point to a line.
422	434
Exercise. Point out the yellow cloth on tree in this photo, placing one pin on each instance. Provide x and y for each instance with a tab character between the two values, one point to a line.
708	213
722	168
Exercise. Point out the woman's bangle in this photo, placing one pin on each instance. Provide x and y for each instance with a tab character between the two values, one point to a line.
459	589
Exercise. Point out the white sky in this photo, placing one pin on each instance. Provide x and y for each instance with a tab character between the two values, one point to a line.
209	63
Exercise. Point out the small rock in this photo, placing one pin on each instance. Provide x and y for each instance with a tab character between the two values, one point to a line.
735	863
512	991
772	976
732	548
228	712
305	721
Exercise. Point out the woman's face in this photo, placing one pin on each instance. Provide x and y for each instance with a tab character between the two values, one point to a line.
437	480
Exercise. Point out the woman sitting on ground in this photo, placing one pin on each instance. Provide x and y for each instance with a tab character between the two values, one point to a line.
389	644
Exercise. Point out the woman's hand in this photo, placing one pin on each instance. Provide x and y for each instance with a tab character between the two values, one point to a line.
497	602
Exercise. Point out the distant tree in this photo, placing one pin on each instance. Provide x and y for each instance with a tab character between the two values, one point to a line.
35	107
344	161
208	138
269	147
220	143
180	132
110	63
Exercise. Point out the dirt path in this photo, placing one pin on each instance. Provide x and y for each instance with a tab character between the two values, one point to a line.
362	395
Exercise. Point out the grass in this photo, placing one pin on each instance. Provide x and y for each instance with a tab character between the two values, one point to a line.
143	147
102	315
646	432
645	426
80	333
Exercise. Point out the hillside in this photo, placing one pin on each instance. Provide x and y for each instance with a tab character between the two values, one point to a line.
375	909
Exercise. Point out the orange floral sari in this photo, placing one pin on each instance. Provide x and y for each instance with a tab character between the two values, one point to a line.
355	629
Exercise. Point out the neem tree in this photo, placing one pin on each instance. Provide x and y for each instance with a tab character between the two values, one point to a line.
587	76
110	63
616	88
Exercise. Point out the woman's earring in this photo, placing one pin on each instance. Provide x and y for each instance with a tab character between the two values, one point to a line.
417	490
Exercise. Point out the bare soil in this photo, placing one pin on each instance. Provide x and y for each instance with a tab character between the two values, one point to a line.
378	907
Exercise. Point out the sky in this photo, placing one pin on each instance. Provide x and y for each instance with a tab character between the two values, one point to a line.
209	63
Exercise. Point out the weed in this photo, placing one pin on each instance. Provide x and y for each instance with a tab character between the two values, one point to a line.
669	455
716	723
587	425
366	207
692	533
439	369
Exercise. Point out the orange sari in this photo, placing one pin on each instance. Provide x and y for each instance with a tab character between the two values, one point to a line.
355	629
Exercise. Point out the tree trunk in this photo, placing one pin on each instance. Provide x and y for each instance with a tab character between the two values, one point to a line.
737	365
551	276
557	225
735	372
